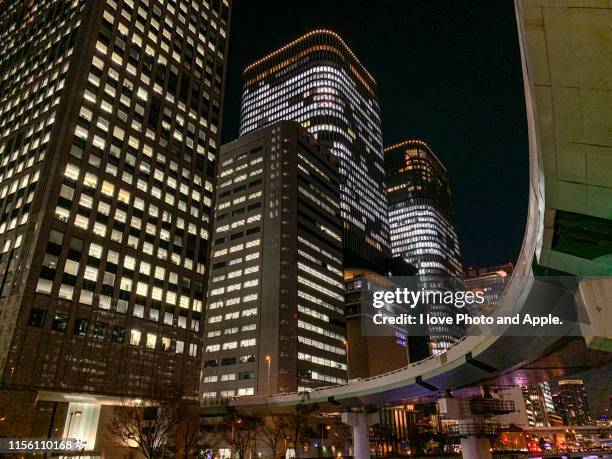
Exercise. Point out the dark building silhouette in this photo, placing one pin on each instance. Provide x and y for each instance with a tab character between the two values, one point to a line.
109	133
317	81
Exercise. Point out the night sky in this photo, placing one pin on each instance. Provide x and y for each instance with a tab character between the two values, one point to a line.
448	72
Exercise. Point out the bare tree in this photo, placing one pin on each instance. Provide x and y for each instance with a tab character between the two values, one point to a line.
191	436
272	431
297	425
210	440
341	434
145	425
240	433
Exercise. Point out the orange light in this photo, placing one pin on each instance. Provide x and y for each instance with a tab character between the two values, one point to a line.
304	37
407	142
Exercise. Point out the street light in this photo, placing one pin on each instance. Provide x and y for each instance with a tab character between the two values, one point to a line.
269	362
324	427
346	345
76	413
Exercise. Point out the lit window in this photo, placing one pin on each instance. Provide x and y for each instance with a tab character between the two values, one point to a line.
135	337
246	391
91	273
95	251
151	340
124	196
81	221
90	180
142	289
248	342
108	188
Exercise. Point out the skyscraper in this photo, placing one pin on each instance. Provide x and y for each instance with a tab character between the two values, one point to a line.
491	281
533	406
109	126
538	398
275	318
421	223
317	81
571	402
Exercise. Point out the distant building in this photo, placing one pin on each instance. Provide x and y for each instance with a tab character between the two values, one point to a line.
533	406
491	282
539	397
370	355
275	310
470	271
571	402
421	225
397	431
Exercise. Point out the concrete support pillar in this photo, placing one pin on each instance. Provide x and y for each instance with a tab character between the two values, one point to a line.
472	429
360	421
474	447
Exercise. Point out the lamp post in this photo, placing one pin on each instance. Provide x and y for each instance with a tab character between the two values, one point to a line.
76	413
346	346
269	362
324	427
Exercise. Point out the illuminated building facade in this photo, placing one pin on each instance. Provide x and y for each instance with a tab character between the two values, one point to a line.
541	409
275	317
421	224
507	268
317	81
109	119
534	407
397	431
571	402
491	281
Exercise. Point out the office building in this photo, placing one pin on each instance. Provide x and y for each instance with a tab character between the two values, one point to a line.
421	225
491	281
538	397
371	351
571	402
534	407
317	81
471	271
398	430
109	133
275	318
